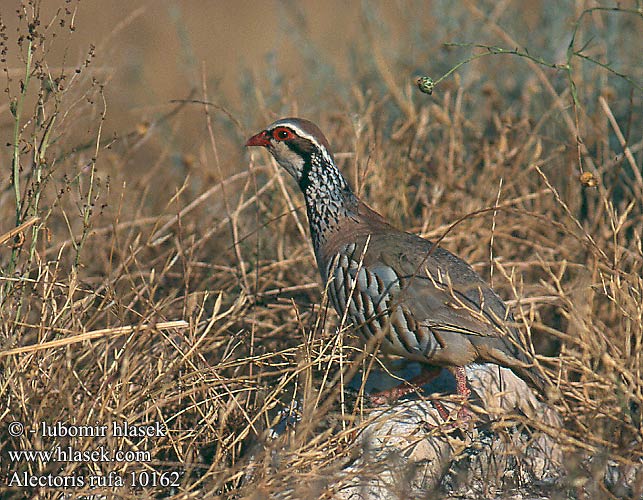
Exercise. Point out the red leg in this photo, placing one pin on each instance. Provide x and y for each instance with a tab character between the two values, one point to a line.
427	374
442	411
462	388
461	382
464	414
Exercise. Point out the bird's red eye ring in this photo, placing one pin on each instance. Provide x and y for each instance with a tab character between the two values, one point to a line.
282	134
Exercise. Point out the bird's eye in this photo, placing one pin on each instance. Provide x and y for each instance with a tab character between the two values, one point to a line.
282	134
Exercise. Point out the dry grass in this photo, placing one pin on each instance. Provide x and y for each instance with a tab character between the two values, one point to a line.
145	283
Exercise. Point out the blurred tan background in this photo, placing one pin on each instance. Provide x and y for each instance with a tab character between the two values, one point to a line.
155	51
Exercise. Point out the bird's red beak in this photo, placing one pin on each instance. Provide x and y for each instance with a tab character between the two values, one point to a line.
260	139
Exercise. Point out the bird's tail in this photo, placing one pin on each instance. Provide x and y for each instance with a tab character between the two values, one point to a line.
529	372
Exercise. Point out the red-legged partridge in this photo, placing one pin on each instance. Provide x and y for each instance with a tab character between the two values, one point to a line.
423	302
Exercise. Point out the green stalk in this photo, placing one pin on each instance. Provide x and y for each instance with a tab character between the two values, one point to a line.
17	114
39	161
87	212
16	134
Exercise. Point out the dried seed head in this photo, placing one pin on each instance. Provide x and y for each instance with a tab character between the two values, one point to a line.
588	179
425	84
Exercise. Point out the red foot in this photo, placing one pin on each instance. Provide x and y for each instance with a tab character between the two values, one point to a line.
391	395
464	415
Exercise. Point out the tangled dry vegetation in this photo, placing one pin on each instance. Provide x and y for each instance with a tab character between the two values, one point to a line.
144	286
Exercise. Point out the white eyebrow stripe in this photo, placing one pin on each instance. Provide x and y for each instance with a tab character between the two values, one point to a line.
303	134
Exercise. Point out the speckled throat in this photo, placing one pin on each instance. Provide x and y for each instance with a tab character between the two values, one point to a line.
329	198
